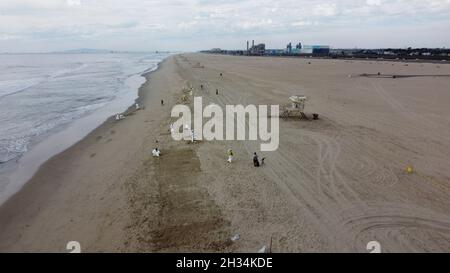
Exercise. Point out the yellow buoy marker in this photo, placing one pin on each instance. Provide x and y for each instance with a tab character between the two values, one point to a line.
409	170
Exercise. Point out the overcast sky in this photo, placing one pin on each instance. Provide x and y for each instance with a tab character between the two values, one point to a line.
49	25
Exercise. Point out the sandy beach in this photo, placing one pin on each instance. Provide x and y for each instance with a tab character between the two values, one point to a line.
333	185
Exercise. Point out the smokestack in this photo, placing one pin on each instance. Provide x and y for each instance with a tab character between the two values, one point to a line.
247	45
253	43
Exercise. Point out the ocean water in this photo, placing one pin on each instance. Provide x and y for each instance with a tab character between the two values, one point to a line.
43	93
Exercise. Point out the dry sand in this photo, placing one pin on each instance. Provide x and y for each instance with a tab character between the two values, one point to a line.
333	185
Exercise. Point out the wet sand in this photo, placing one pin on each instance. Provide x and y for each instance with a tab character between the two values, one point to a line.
332	186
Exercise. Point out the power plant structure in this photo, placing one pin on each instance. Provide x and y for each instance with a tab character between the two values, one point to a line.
323	51
299	49
290	50
307	49
256	50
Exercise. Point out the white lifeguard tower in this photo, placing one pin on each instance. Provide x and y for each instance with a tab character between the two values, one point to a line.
298	102
296	108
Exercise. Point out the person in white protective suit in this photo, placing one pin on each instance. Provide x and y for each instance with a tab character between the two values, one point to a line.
156	152
230	156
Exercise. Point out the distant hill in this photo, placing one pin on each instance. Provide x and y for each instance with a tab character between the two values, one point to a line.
86	51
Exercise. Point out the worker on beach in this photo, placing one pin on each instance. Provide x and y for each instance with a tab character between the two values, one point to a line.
256	160
156	152
230	156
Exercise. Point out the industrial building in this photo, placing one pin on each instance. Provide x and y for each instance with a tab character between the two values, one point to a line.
260	50
307	49
256	50
299	49
436	54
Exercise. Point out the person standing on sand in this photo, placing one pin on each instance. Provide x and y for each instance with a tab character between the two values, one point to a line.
230	156
256	160
162	102
156	152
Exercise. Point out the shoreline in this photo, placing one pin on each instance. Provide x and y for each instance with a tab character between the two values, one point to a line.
23	169
54	202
